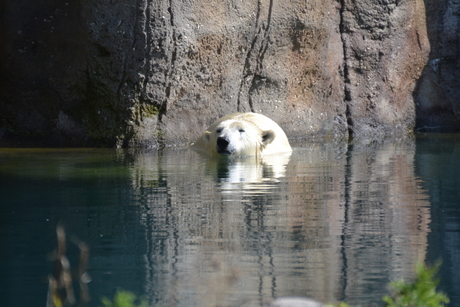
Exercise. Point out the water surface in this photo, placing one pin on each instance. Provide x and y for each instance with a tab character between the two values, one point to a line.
331	221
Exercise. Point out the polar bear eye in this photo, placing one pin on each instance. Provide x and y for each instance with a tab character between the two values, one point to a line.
241	130
218	130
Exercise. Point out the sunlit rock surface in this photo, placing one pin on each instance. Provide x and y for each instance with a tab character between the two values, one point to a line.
149	74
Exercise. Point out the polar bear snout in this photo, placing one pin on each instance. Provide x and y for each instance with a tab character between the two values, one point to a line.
222	146
222	142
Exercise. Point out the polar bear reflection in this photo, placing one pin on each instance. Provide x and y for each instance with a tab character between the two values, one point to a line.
248	170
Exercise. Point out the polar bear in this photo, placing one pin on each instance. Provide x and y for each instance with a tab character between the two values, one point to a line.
243	134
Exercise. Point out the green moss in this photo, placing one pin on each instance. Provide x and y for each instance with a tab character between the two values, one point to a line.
341	304
124	299
150	110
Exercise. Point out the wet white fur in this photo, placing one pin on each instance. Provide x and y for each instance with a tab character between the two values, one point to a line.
249	134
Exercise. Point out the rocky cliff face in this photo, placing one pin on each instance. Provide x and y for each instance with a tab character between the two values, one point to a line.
143	73
386	49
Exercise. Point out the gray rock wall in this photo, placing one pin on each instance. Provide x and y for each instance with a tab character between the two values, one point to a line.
386	49
154	73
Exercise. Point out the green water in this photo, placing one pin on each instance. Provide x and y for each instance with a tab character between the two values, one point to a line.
331	221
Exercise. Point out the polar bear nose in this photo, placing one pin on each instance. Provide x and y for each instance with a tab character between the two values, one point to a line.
222	143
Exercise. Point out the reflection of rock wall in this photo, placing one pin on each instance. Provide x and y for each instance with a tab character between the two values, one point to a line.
437	164
386	217
339	224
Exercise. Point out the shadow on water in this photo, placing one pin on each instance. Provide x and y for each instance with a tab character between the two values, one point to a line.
331	222
437	162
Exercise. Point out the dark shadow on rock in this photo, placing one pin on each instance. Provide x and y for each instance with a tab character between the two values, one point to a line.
437	94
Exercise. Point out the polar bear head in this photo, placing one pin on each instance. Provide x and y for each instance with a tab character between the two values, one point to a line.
238	138
243	134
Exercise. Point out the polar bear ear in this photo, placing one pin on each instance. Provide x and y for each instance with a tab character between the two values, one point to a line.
267	137
207	137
